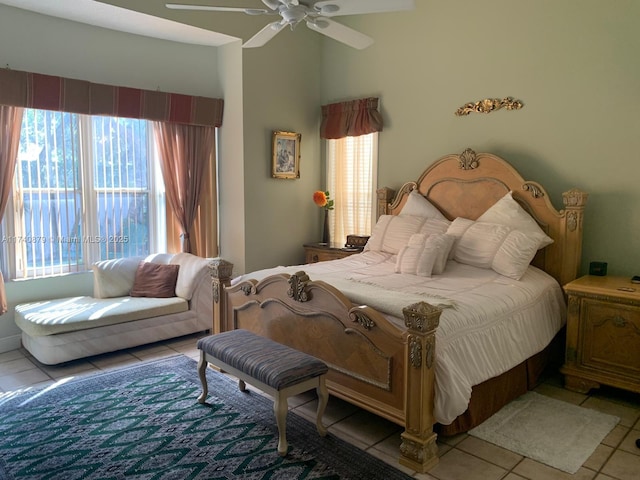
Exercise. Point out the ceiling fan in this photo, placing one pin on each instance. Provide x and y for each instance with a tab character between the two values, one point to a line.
315	13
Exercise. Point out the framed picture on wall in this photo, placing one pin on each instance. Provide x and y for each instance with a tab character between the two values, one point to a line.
285	161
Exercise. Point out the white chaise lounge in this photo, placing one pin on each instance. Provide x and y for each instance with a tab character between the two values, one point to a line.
60	330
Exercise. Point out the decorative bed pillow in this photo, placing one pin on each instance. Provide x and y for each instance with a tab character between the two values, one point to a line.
515	254
428	252
479	244
392	232
114	278
507	211
416	260
491	245
433	226
155	280
444	244
419	206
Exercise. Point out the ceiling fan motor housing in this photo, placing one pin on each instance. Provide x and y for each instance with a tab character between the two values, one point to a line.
293	14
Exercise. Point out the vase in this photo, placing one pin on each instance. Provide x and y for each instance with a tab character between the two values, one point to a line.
325	229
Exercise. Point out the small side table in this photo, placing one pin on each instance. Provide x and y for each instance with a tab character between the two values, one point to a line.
321	252
603	334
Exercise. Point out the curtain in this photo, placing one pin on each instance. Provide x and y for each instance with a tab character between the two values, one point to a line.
47	92
10	126
350	119
187	163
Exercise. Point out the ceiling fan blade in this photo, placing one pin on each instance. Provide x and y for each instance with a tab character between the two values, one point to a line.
341	33
264	35
332	8
250	11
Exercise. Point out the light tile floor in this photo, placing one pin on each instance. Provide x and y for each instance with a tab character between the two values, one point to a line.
461	457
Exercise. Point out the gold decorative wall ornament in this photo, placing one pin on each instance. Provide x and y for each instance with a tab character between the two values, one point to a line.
489	105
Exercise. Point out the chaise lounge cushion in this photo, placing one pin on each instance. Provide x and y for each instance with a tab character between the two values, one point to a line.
50	317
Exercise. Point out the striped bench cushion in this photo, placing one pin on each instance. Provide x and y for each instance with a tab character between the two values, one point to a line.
263	359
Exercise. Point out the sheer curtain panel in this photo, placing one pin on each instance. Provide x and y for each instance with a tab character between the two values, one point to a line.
186	154
10	123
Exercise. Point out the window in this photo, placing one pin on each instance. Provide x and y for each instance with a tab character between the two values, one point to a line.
351	178
84	190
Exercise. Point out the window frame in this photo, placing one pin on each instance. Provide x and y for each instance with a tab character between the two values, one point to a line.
12	227
364	228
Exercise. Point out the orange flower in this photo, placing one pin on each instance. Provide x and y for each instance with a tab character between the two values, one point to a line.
320	198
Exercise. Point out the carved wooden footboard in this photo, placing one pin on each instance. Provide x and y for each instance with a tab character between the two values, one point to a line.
373	364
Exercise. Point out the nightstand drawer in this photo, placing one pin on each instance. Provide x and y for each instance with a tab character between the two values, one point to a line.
611	337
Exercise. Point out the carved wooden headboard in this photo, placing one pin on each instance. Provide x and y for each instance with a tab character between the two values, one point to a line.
466	185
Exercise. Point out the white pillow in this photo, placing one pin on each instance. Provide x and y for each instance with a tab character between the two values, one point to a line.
114	278
416	260
188	274
515	255
419	206
434	225
443	243
392	232
479	244
457	229
507	211
491	245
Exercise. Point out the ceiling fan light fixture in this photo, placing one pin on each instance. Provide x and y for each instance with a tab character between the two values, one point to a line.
329	9
319	23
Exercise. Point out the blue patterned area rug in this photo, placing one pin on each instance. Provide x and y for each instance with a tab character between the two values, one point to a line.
144	422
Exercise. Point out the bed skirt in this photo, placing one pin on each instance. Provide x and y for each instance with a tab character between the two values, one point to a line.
490	396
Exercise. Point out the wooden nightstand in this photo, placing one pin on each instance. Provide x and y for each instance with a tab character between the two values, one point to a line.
603	334
321	252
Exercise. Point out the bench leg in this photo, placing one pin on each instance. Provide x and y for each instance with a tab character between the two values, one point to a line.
323	398
202	373
242	386
280	408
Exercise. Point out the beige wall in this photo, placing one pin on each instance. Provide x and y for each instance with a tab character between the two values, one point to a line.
574	64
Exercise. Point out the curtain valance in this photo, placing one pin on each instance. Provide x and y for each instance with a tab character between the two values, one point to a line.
350	119
47	92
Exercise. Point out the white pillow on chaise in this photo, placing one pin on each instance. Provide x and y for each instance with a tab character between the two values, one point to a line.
114	278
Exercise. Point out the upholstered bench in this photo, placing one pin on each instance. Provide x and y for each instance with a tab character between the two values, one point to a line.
274	368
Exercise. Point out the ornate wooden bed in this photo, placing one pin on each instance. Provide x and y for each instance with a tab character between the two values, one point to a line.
372	363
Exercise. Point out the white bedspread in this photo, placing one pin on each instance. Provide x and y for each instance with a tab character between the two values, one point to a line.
489	323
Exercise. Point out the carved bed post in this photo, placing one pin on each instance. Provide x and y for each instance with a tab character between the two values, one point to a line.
221	271
574	202
385	195
418	449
